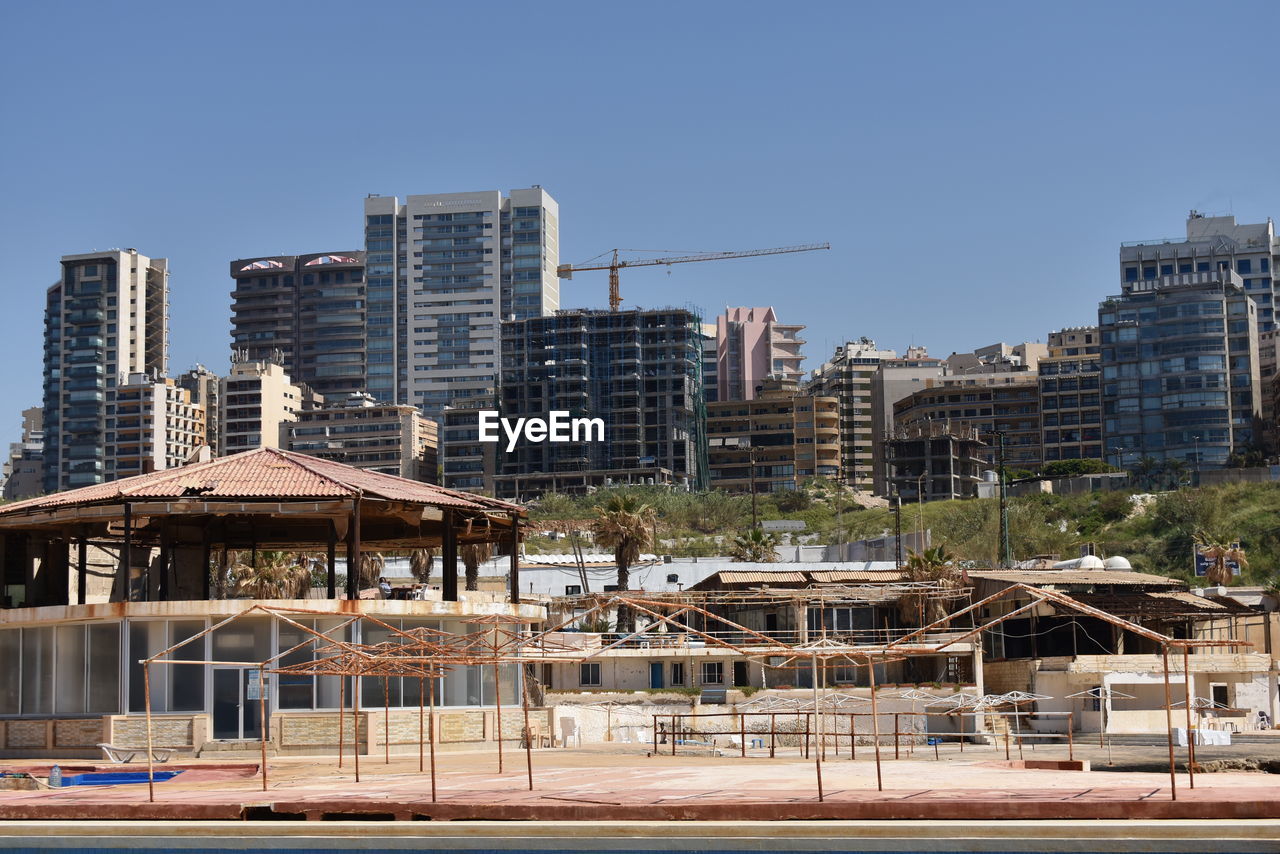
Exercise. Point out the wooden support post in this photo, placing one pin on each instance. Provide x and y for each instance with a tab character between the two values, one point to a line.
331	563
353	559
449	558
875	721
515	562
166	550
206	553
1191	741
1168	720
263	722
151	771
126	555
431	735
355	714
528	733
82	569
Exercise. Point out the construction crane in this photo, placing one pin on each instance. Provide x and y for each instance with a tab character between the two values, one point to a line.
566	271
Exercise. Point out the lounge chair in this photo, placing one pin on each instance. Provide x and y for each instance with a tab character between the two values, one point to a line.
121	755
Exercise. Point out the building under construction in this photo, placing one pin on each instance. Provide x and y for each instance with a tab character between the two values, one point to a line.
640	371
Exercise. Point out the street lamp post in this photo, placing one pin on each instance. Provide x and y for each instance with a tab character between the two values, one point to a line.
1196	440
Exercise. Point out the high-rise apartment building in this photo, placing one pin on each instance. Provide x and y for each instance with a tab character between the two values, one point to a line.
751	344
637	370
710	369
847	377
1179	367
254	401
105	319
443	272
381	437
995	404
24	469
306	312
202	384
1212	243
893	380
467	463
152	424
1070	406
776	441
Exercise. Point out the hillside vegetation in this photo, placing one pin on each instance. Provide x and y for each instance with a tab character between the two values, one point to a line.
1154	531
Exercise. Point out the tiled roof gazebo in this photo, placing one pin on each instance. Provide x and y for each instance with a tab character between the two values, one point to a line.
262	499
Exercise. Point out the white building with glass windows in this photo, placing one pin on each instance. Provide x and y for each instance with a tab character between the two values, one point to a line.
443	272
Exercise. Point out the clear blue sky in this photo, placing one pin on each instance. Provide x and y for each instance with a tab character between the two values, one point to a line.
974	166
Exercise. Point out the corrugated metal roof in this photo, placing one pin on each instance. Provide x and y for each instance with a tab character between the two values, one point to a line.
1051	577
734	577
265	473
839	576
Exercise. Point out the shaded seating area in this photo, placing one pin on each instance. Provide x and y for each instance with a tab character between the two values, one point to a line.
169	535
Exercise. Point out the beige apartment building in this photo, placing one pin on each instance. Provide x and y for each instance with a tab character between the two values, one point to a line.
991	403
254	400
784	435
847	376
152	424
1070	409
366	434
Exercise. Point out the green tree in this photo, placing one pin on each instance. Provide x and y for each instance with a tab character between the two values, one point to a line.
937	568
273	575
624	524
755	546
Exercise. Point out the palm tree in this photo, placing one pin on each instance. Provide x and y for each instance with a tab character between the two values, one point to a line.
935	566
755	546
625	525
275	575
420	563
472	555
1219	554
371	568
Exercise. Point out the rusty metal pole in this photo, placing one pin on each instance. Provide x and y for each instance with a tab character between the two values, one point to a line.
421	717
262	723
342	716
655	735
1168	719
151	773
817	729
773	734
1191	741
528	733
875	721
742	733
386	719
431	736
1071	747
355	720
895	735
497	700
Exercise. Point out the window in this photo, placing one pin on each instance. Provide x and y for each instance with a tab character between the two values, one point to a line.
673	578
573	590
712	673
589	674
677	673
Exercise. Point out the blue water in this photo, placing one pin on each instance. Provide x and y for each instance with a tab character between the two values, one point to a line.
115	778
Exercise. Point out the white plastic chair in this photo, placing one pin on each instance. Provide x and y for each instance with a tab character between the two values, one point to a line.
570	731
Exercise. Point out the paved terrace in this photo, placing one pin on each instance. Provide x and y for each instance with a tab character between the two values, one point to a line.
624	784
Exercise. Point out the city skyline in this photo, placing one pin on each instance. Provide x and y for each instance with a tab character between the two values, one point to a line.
897	144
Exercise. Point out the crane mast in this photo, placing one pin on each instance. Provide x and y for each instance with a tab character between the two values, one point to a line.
566	271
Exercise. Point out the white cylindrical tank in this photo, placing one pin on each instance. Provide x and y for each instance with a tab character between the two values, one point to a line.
1118	563
1086	562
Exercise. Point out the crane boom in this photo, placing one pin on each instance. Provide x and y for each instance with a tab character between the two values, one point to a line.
566	271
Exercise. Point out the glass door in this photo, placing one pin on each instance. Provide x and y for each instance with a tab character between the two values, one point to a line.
236	704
